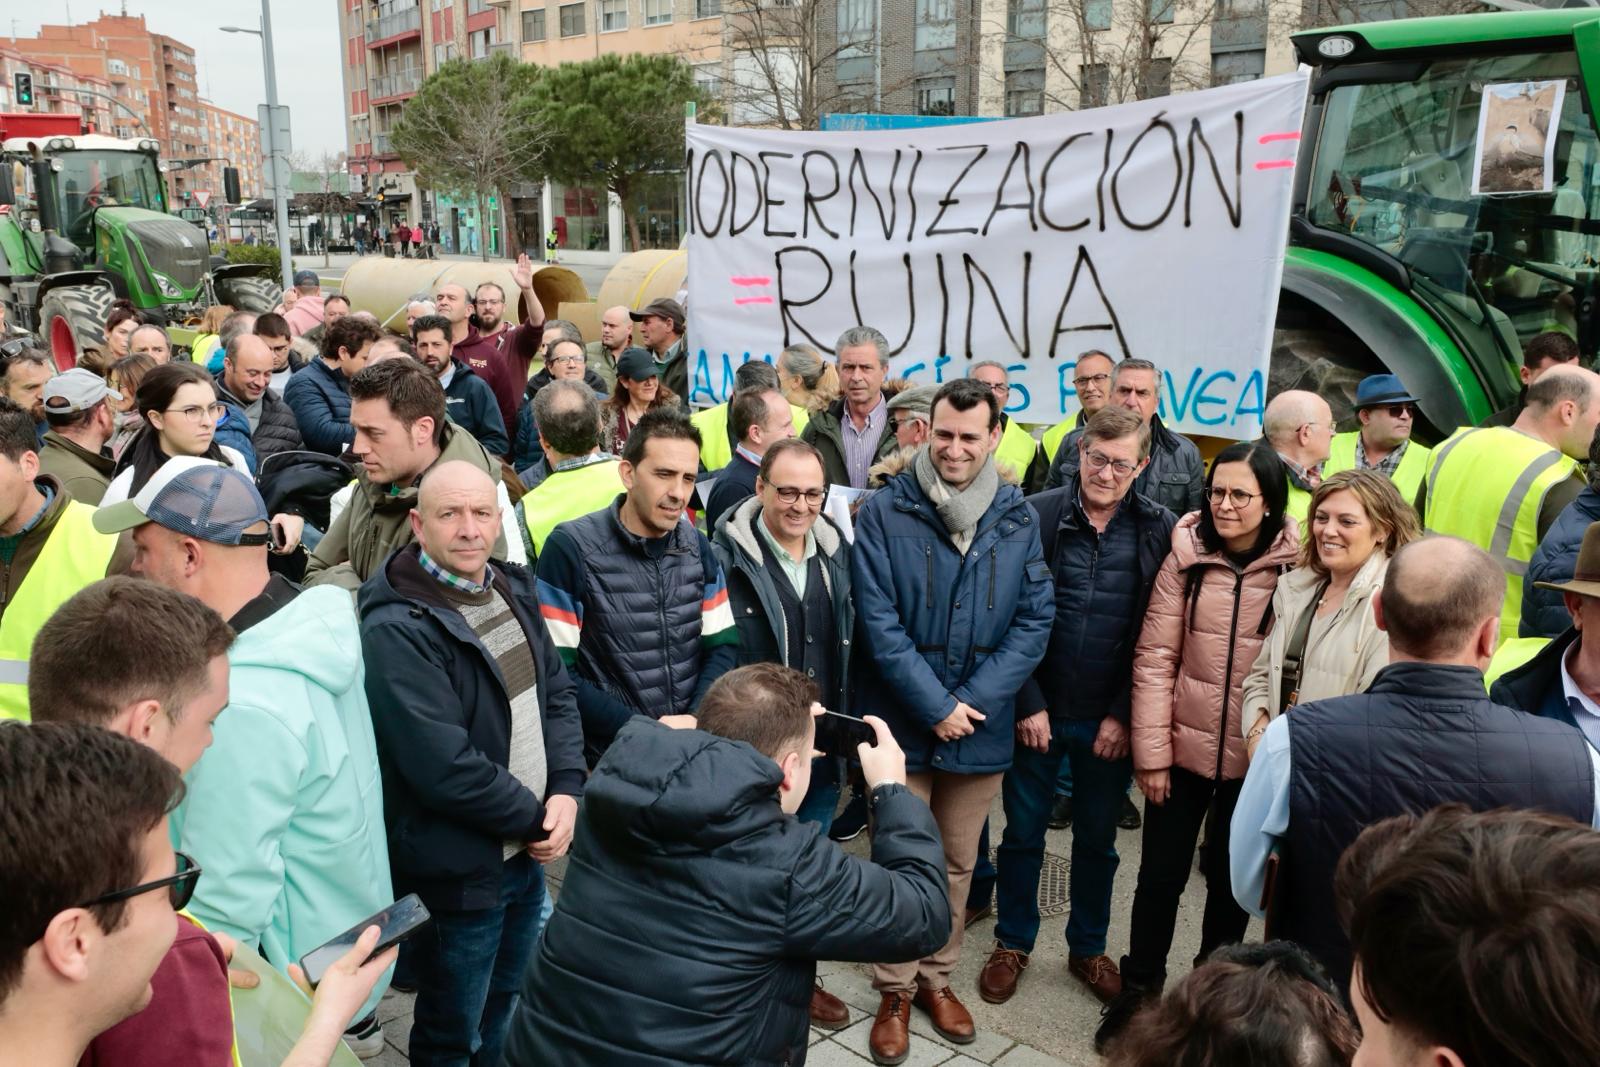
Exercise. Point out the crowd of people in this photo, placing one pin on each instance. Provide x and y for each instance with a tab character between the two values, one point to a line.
422	614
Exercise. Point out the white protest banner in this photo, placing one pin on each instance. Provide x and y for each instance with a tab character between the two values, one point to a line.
1153	229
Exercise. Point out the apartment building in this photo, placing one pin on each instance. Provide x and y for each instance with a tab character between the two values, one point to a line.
56	89
228	139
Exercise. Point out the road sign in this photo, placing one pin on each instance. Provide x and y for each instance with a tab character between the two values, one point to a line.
202	197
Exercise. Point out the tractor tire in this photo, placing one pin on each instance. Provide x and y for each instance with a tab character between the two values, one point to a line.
72	325
249	293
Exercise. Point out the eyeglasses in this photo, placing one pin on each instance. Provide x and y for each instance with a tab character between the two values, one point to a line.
789	494
1097	380
570	360
897	421
1099	461
1318	425
194	411
179	886
999	388
1237	497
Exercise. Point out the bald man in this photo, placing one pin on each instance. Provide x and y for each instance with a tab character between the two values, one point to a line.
483	338
482	755
1502	487
616	334
1299	426
245	382
1336	766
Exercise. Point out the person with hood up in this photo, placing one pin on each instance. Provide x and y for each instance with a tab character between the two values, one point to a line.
1208	616
729	899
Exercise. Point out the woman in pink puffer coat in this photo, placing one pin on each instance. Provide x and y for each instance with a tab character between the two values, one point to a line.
1208	615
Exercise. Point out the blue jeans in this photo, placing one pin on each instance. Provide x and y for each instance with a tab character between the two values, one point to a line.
822	798
1097	789
468	967
983	875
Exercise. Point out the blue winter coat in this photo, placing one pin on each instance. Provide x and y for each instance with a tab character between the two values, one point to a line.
1543	613
470	404
233	430
319	395
943	627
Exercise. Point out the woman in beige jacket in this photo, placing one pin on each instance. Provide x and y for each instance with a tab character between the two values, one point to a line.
1358	521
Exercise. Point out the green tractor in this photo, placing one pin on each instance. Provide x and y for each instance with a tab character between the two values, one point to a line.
84	221
1431	237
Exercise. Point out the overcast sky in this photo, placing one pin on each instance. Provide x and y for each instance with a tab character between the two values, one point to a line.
228	68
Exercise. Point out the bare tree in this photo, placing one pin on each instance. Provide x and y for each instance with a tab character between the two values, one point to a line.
330	194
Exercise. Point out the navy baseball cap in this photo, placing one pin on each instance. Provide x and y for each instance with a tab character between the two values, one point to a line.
636	364
1378	389
196	497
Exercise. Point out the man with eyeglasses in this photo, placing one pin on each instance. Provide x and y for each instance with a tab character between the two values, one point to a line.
1091	381
908	415
788	569
1387	412
564	361
1017	452
1103	544
760	418
499	353
953	596
1175	475
1299	426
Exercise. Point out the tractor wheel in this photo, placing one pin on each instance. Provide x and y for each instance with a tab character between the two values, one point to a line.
249	293
72	322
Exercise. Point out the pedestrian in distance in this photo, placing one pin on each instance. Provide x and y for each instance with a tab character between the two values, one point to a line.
1208	616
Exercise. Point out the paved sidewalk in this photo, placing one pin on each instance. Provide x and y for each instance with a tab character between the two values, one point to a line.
1049	1023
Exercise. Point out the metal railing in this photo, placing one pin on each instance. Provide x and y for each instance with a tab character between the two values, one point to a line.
404	81
380	145
395	23
505	48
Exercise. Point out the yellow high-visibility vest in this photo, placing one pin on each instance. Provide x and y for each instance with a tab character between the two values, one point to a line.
1051	441
75	555
569	494
715	451
1407	477
1486	486
1016	450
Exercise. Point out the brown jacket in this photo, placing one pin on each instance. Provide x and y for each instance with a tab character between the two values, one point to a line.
82	473
1202	632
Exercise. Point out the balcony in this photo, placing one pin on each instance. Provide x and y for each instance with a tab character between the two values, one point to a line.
402	83
381	146
506	48
386	28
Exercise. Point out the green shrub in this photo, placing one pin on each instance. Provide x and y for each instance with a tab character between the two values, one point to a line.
266	255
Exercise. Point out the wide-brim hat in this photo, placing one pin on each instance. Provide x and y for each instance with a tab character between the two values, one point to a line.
1585	580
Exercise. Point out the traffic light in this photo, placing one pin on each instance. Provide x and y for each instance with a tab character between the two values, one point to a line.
230	185
23	83
380	196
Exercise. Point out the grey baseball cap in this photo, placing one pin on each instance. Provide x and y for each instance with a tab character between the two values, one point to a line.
75	390
196	497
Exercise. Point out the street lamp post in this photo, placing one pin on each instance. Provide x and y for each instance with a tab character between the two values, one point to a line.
280	193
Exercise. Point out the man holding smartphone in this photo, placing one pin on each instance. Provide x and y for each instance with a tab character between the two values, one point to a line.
695	905
482	751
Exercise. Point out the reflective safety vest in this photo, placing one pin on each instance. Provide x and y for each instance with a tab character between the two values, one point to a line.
75	555
1407	478
715	450
1298	504
1510	655
1486	486
1055	435
569	494
1016	450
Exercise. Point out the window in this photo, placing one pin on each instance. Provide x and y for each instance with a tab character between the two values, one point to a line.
1025	92
657	12
1227	68
1025	19
1156	80
1094	85
1097	14
936	96
1161	10
858	23
572	20
936	24
613	15
708	79
533	25
707	9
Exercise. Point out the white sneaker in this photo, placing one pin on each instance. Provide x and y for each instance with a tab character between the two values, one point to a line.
368	1043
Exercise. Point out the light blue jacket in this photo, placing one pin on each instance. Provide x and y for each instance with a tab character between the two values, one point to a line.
284	812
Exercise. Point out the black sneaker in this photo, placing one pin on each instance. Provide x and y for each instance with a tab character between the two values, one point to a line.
1061	813
851	821
1116	1015
1130	819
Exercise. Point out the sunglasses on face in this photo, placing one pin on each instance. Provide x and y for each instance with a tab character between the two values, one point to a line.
179	886
1399	411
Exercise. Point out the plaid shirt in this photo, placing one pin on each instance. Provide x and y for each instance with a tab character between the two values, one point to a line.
1385	466
454	581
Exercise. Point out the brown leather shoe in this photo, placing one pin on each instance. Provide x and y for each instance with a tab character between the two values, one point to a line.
1099	973
827	1010
947	1014
997	982
890	1040
977	914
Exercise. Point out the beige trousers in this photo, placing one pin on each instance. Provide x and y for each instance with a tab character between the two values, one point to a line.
960	804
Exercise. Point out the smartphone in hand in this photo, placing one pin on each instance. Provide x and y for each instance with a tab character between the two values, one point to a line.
839	734
396	922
